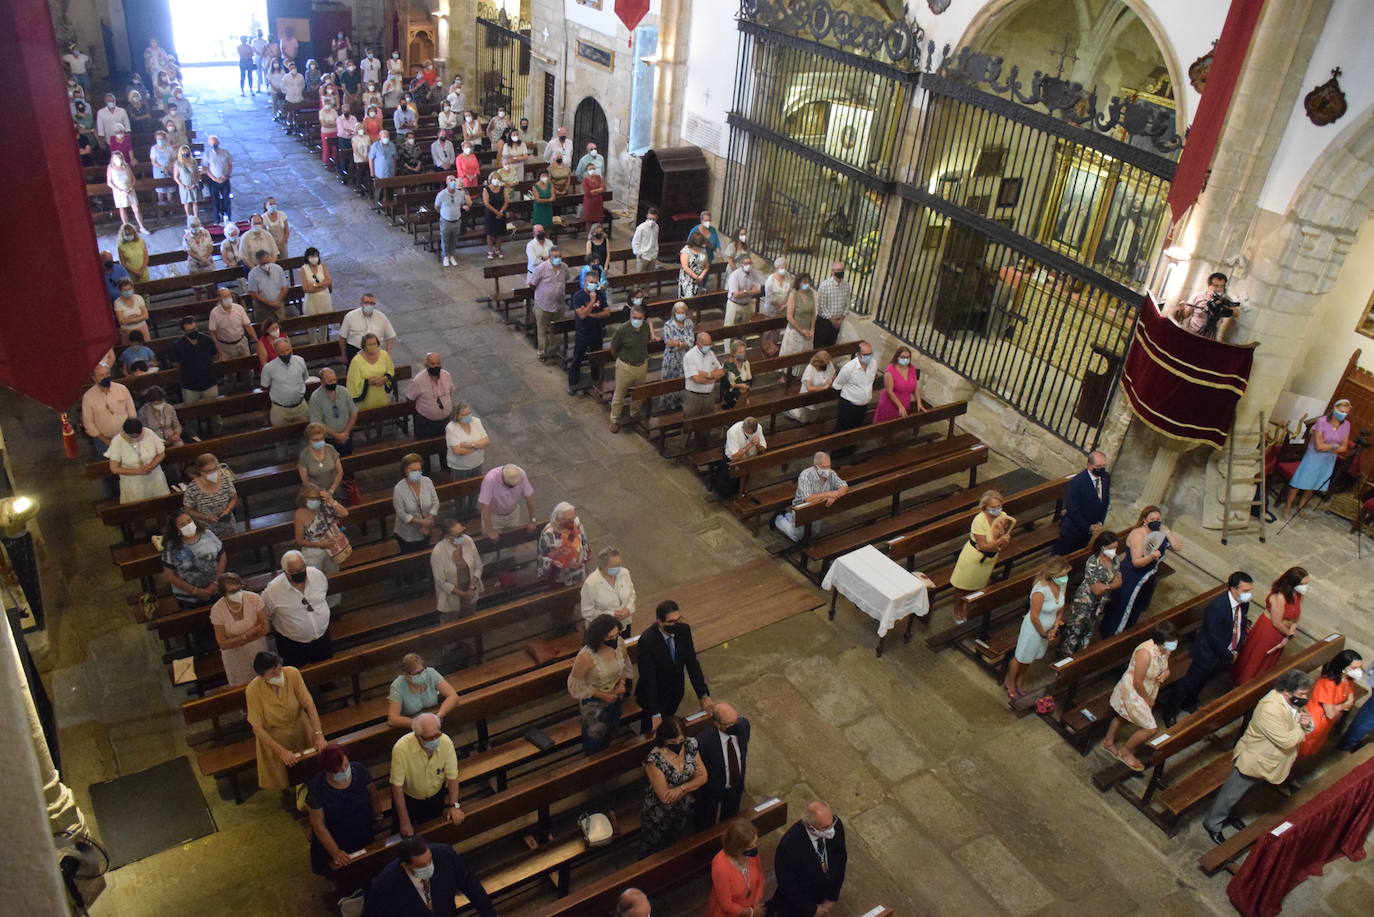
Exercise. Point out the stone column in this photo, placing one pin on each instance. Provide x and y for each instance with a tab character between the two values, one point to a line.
462	45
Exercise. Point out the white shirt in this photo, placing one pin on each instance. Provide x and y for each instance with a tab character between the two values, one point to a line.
735	438
76	61
854	381
697	362
371	69
454	435
106	120
355	325
600	597
289	615
645	241
293	87
420	888
558	145
535	252
813	376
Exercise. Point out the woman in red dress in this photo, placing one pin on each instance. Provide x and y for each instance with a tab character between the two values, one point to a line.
1332	696
1270	633
593	207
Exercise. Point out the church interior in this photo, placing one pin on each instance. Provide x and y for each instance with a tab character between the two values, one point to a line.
1028	365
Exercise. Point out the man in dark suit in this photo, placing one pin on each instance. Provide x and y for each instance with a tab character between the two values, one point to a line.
1218	640
809	865
422	882
666	653
1085	505
725	752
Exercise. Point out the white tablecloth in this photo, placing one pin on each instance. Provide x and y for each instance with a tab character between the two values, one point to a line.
879	586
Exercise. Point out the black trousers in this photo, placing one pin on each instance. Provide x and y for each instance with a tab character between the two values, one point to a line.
426	428
421	810
826	333
300	654
848	416
715	809
1183	694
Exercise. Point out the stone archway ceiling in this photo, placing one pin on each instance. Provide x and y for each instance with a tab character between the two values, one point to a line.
903	45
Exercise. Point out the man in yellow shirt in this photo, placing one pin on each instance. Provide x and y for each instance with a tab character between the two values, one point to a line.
424	776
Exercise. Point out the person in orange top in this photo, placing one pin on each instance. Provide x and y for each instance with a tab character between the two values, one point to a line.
1332	696
737	874
1264	643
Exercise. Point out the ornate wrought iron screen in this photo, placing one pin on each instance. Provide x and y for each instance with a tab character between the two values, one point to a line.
503	71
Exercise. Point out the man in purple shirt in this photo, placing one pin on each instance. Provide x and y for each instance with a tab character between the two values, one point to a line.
550	284
499	500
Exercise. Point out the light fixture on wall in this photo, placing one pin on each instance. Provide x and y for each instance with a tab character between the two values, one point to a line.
15	513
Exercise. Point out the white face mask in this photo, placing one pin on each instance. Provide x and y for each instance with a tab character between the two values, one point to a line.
1109	553
187	530
1170	645
1300	589
232	594
212	476
828	833
277	681
994	511
1354	672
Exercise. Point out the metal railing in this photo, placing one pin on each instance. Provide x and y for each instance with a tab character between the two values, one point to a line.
503	71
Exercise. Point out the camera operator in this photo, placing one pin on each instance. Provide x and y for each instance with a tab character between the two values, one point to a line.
1209	312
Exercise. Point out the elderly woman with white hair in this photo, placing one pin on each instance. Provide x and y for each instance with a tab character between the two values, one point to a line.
424	776
563	548
455	566
200	247
608	590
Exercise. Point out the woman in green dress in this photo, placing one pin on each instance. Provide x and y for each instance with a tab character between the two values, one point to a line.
543	203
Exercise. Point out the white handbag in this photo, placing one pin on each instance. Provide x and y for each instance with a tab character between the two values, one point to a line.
596	829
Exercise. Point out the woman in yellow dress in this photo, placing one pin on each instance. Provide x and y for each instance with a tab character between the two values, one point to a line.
133	253
371	375
283	716
990	533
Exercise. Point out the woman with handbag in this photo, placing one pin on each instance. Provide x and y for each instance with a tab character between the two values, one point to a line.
321	541
371	375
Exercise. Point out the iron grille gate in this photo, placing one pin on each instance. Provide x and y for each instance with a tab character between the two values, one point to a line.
503	70
1017	242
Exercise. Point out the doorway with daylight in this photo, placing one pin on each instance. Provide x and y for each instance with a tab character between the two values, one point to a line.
203	37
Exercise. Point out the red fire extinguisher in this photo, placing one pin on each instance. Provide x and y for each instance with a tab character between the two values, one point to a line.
68	438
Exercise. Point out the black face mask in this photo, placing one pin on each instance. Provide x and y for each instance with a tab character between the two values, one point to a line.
610	644
330	386
106	382
539	236
751	851
674	630
732	729
434	370
674	747
285	358
1098	472
1299	702
192	334
839	275
1154	526
297	577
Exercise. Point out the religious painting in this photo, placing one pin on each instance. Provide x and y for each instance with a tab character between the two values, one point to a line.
1365	325
849	132
1074	211
1009	193
595	54
298	27
990	161
1134	219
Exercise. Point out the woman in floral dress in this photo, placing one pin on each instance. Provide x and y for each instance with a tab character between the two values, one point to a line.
679	335
673	772
1134	696
1101	576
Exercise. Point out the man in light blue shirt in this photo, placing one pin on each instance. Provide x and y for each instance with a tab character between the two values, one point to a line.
284	381
381	156
592	158
450	204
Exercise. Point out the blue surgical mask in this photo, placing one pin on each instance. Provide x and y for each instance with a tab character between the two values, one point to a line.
424	872
341	776
1062	580
1169	645
904	361
705	349
865	358
431	744
636	322
317	444
414	475
614	571
681	317
555	261
1339	415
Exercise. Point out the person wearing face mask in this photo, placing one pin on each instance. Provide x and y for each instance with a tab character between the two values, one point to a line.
744	290
199	246
455	567
240	622
298	609
122	143
186	174
284	379
194	355
372	97
424	881
318	286
275	222
667	658
494	201
370	66
371	375
1134	695
131	312
590	307
564	550
342	804
1215	647
1362	726
1101	577
137	352
1086	502
457	98
497	127
405	119
1262	648
192	561
424	777
441	152
381	157
217	166
1328	441
739	375
329	132
1040	626
593	197
549	282
1146	544
816	377
468	167
598	680
361	144
609	590
537	249
513	155
418	688
590	159
105	406
1332	697
135	455
674	772
1266	751
313	76
120	179
432	393
854	382
340	47
736	873
701	375
267	283
293	84
364	320
810	865
161	155
465	439
210	498
230	329
630	349
679	336
901	392
988	535
160	417
800	311
734	248
110	118
408	160
319	466
833	302
318	536
416	504
644	242
332	408
725	752
283	717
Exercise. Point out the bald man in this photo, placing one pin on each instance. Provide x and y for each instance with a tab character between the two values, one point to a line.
809	865
432	393
725	752
1086	501
424	777
633	903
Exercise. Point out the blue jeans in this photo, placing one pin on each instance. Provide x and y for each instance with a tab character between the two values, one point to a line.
1360	728
219	198
599	720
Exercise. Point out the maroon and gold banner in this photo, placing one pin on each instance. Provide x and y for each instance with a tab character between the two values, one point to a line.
1181	385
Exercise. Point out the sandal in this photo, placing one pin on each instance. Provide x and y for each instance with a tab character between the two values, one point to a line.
1137	766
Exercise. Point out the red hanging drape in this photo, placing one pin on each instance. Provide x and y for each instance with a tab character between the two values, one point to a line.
631	12
58	322
1334	824
1205	130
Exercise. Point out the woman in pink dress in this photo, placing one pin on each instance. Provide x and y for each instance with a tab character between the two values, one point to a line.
240	622
901	388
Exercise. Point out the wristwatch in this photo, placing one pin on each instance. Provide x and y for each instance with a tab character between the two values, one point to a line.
453	805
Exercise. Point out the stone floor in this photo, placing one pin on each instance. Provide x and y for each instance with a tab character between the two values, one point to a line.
953	805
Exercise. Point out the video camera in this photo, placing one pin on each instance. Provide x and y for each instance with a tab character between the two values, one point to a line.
1218	307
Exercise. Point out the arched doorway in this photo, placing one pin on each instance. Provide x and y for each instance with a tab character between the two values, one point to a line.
589	126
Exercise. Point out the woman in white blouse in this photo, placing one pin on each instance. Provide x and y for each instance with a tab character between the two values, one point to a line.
465	438
416	504
820	372
608	590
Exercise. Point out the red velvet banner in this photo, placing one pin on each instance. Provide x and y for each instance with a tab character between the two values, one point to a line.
631	12
58	323
1181	385
1205	129
1334	824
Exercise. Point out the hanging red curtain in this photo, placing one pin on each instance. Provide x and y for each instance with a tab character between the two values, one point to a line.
1181	385
631	12
59	323
1205	130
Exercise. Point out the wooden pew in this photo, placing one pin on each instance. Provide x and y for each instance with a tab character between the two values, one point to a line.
665	869
290	326
181	283
1178	794
168	378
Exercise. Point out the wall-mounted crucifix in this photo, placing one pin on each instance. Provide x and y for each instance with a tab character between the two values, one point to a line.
1064	54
